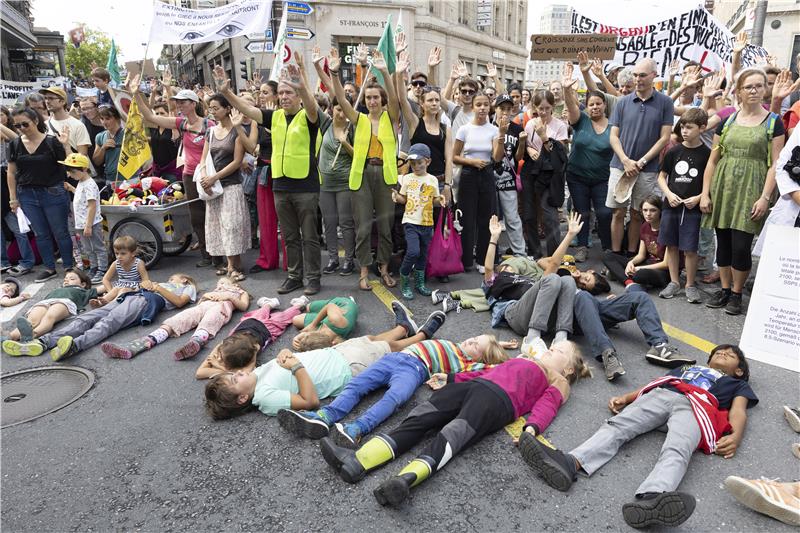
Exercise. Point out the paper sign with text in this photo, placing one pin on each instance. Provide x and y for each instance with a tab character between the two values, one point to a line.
772	328
567	46
179	25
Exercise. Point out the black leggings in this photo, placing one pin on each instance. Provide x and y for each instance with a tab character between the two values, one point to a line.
734	249
648	277
477	200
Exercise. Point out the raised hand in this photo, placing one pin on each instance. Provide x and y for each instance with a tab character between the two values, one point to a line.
257	79
583	61
491	70
772	61
691	77
220	80
597	67
574	223
502	123
463	72
153	85
301	63
63	137
334	61
740	43
454	72
435	56
674	67
495	229
316	54
132	83
236	117
377	60
783	85
167	77
567	81
362	54
403	62
400	43
711	87
291	76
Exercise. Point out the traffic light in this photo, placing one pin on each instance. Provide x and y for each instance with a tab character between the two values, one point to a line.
243	69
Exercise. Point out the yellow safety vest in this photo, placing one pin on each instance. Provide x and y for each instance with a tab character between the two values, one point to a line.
290	155
386	136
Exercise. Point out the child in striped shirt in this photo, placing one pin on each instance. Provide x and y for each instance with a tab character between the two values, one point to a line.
128	270
403	372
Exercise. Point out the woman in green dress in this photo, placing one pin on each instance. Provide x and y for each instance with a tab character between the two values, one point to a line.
738	182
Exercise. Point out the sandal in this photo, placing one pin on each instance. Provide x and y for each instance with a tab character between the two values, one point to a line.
363	283
237	276
222	271
388	280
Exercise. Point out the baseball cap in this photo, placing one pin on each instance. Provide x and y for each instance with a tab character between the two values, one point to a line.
502	99
58	91
419	151
185	94
76	161
15	282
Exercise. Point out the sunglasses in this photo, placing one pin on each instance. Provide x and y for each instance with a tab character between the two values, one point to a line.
419	83
467	92
21	125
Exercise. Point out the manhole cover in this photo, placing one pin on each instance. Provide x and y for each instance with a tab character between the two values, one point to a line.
29	394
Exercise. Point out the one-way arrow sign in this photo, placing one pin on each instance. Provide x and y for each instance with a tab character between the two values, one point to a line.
304	34
299	8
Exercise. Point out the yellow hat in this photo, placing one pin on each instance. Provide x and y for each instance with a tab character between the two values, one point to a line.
58	91
76	161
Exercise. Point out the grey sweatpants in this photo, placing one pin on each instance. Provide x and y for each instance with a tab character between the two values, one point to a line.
92	327
95	249
510	209
337	210
651	411
534	309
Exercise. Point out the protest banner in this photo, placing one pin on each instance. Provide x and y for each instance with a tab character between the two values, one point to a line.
86	92
772	327
135	144
691	36
11	91
567	46
179	25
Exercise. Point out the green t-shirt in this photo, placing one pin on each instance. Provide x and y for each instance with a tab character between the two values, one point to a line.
78	295
349	309
591	152
329	372
335	177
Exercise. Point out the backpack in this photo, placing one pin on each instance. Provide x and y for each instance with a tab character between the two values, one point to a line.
770	127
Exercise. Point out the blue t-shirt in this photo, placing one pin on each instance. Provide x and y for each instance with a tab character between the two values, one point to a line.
639	122
724	388
591	153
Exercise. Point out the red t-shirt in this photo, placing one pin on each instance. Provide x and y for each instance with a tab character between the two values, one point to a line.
655	251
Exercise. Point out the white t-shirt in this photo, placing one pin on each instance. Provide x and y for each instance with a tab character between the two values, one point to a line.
78	134
557	130
86	190
420	191
478	140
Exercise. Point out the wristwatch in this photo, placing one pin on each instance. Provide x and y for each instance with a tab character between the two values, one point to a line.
296	367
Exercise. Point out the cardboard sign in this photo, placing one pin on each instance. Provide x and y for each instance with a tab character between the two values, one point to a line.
567	46
149	68
772	327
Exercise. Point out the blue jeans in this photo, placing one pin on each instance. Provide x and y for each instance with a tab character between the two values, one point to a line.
401	372
23	243
584	198
417	240
593	316
48	209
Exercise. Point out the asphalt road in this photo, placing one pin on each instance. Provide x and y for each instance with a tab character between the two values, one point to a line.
138	452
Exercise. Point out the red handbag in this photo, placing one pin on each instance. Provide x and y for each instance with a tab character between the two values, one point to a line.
444	254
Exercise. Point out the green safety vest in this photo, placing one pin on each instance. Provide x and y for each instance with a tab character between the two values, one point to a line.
386	136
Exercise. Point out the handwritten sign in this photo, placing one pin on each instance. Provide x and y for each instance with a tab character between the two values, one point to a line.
567	46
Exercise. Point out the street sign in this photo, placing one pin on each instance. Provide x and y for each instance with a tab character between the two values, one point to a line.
260	36
258	47
304	34
287	53
299	8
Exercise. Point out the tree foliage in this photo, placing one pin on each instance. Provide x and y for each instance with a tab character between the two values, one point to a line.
95	48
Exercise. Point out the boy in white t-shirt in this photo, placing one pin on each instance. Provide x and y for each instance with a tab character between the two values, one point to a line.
86	210
419	191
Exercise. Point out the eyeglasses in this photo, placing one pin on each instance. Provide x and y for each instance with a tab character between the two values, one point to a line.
419	83
21	125
467	92
753	88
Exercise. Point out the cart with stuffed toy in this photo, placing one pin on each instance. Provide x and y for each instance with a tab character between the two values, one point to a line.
158	221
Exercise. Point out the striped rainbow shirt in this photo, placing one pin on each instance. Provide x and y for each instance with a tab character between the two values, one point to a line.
443	356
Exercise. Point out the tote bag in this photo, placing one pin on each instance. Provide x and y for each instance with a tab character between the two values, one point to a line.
216	189
444	254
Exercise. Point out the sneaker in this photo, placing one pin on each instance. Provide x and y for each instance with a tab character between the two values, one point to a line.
556	468
45	275
273	303
719	299
300	301
438	296
313	287
346	435
734	306
667	356
402	319
310	424
25	329
64	349
16	348
793	417
581	253
481	269
290	285
693	295
451	304
612	365
670	290
331	267
774	499
17	271
432	324
659	509
97	279
347	268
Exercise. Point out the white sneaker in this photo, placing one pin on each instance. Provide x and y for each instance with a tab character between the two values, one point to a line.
300	301
481	269
273	303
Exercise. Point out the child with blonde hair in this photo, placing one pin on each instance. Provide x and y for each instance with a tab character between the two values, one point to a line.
125	274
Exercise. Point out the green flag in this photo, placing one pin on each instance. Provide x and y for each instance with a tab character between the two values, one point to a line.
112	67
386	47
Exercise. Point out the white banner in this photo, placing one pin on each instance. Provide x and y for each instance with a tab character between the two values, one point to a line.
772	327
694	35
179	25
10	91
85	92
